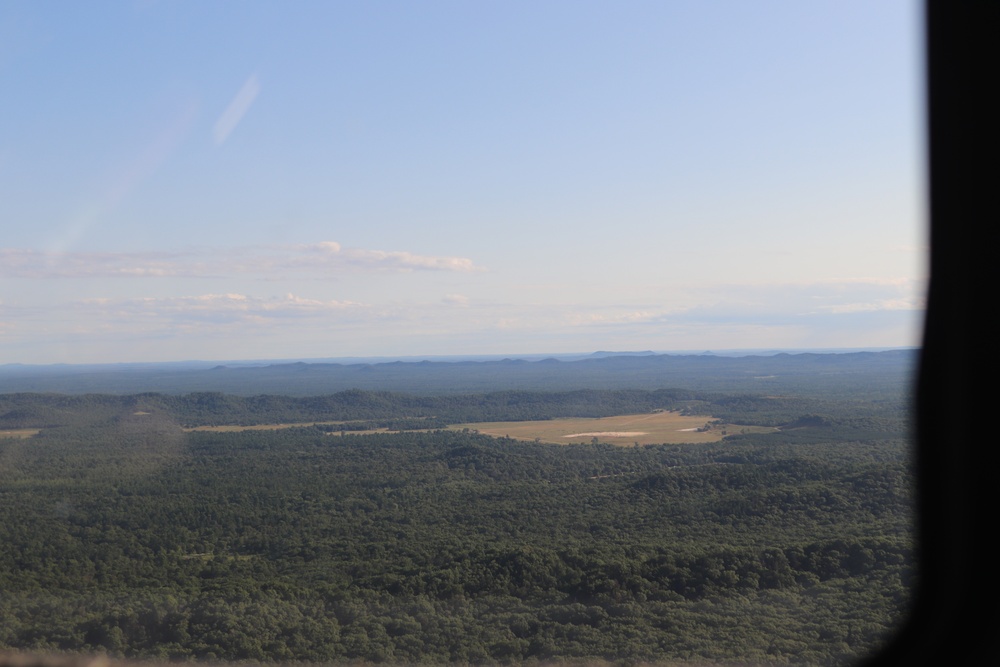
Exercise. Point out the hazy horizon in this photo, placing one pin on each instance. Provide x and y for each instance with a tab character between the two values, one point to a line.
328	180
534	356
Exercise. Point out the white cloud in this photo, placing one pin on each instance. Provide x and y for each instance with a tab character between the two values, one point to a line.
784	300
407	261
317	259
589	318
456	300
872	306
843	314
223	305
330	253
326	246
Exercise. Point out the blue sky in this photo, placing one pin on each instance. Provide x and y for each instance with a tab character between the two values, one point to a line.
236	180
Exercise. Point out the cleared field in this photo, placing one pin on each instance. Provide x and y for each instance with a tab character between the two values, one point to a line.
625	430
651	428
19	433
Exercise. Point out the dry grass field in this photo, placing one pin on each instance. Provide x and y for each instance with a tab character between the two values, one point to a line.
19	433
625	430
650	428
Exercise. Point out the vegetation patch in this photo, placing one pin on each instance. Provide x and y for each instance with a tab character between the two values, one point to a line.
124	535
234	428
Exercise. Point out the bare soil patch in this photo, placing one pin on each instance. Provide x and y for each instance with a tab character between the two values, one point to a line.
19	432
625	430
609	434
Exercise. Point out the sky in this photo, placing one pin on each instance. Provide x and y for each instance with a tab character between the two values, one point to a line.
237	180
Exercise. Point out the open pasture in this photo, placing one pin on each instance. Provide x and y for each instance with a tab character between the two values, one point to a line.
644	429
19	432
625	430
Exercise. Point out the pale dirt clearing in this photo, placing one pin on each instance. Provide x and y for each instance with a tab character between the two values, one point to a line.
20	432
609	434
661	427
656	428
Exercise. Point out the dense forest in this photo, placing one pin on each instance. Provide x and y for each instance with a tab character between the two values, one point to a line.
28	410
120	532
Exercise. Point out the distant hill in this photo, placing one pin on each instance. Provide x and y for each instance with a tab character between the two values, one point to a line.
856	374
601	355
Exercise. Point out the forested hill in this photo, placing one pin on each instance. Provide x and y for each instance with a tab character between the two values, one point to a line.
122	535
360	410
845	374
125	534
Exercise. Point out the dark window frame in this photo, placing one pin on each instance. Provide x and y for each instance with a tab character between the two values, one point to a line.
955	612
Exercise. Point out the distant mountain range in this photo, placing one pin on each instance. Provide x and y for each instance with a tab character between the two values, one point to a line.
854	372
